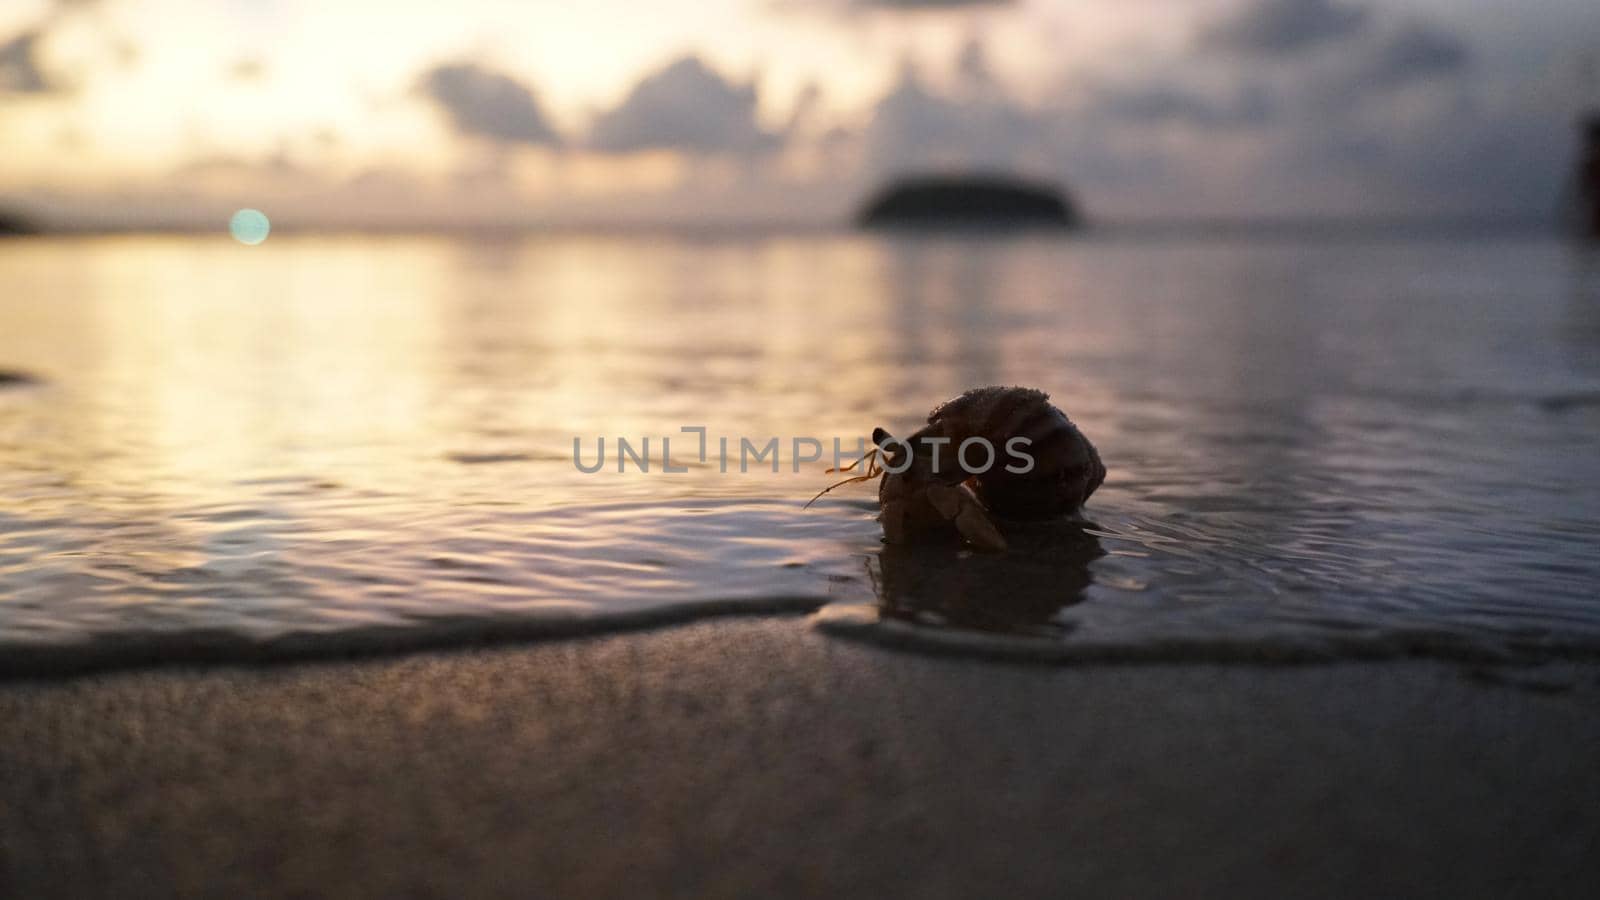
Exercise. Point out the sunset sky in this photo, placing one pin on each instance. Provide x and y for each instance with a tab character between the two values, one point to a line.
337	112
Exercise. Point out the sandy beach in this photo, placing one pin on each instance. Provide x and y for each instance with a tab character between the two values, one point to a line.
758	757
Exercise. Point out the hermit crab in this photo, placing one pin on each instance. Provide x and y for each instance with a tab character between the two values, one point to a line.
993	452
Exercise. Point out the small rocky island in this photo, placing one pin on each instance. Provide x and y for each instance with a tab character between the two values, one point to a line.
12	224
14	378
1586	199
969	201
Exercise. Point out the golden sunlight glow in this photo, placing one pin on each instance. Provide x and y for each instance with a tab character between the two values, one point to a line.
155	87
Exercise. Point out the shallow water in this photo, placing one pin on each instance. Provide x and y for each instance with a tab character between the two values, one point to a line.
1318	445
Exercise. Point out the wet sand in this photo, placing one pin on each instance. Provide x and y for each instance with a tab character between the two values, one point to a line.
744	758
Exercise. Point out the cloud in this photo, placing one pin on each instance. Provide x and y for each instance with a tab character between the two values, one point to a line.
1417	52
977	124
912	121
481	102
20	72
1092	135
805	109
20	69
1372	72
1280	27
1395	122
684	106
1162	102
1265	41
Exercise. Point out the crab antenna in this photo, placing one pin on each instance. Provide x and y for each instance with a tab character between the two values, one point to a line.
869	455
867	477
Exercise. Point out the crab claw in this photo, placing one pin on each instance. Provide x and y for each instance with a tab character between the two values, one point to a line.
961	506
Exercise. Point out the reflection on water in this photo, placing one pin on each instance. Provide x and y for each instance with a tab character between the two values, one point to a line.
1021	592
1329	443
1581	332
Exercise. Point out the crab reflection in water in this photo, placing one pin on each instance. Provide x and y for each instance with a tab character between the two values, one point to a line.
1020	591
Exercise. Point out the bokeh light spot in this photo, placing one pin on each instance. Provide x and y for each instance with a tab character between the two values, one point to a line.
249	226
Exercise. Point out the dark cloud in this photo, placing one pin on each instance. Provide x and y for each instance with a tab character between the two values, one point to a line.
20	69
1396	121
1170	102
972	64
684	106
911	121
805	108
481	102
20	72
1279	27
1415	53
978	124
1452	152
1268	37
1344	128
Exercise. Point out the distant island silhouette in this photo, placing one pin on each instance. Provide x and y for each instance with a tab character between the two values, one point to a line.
13	224
958	201
1586	198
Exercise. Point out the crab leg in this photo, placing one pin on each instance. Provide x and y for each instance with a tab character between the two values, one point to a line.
961	506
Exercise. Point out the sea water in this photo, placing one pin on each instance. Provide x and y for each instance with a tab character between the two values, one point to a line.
1318	444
